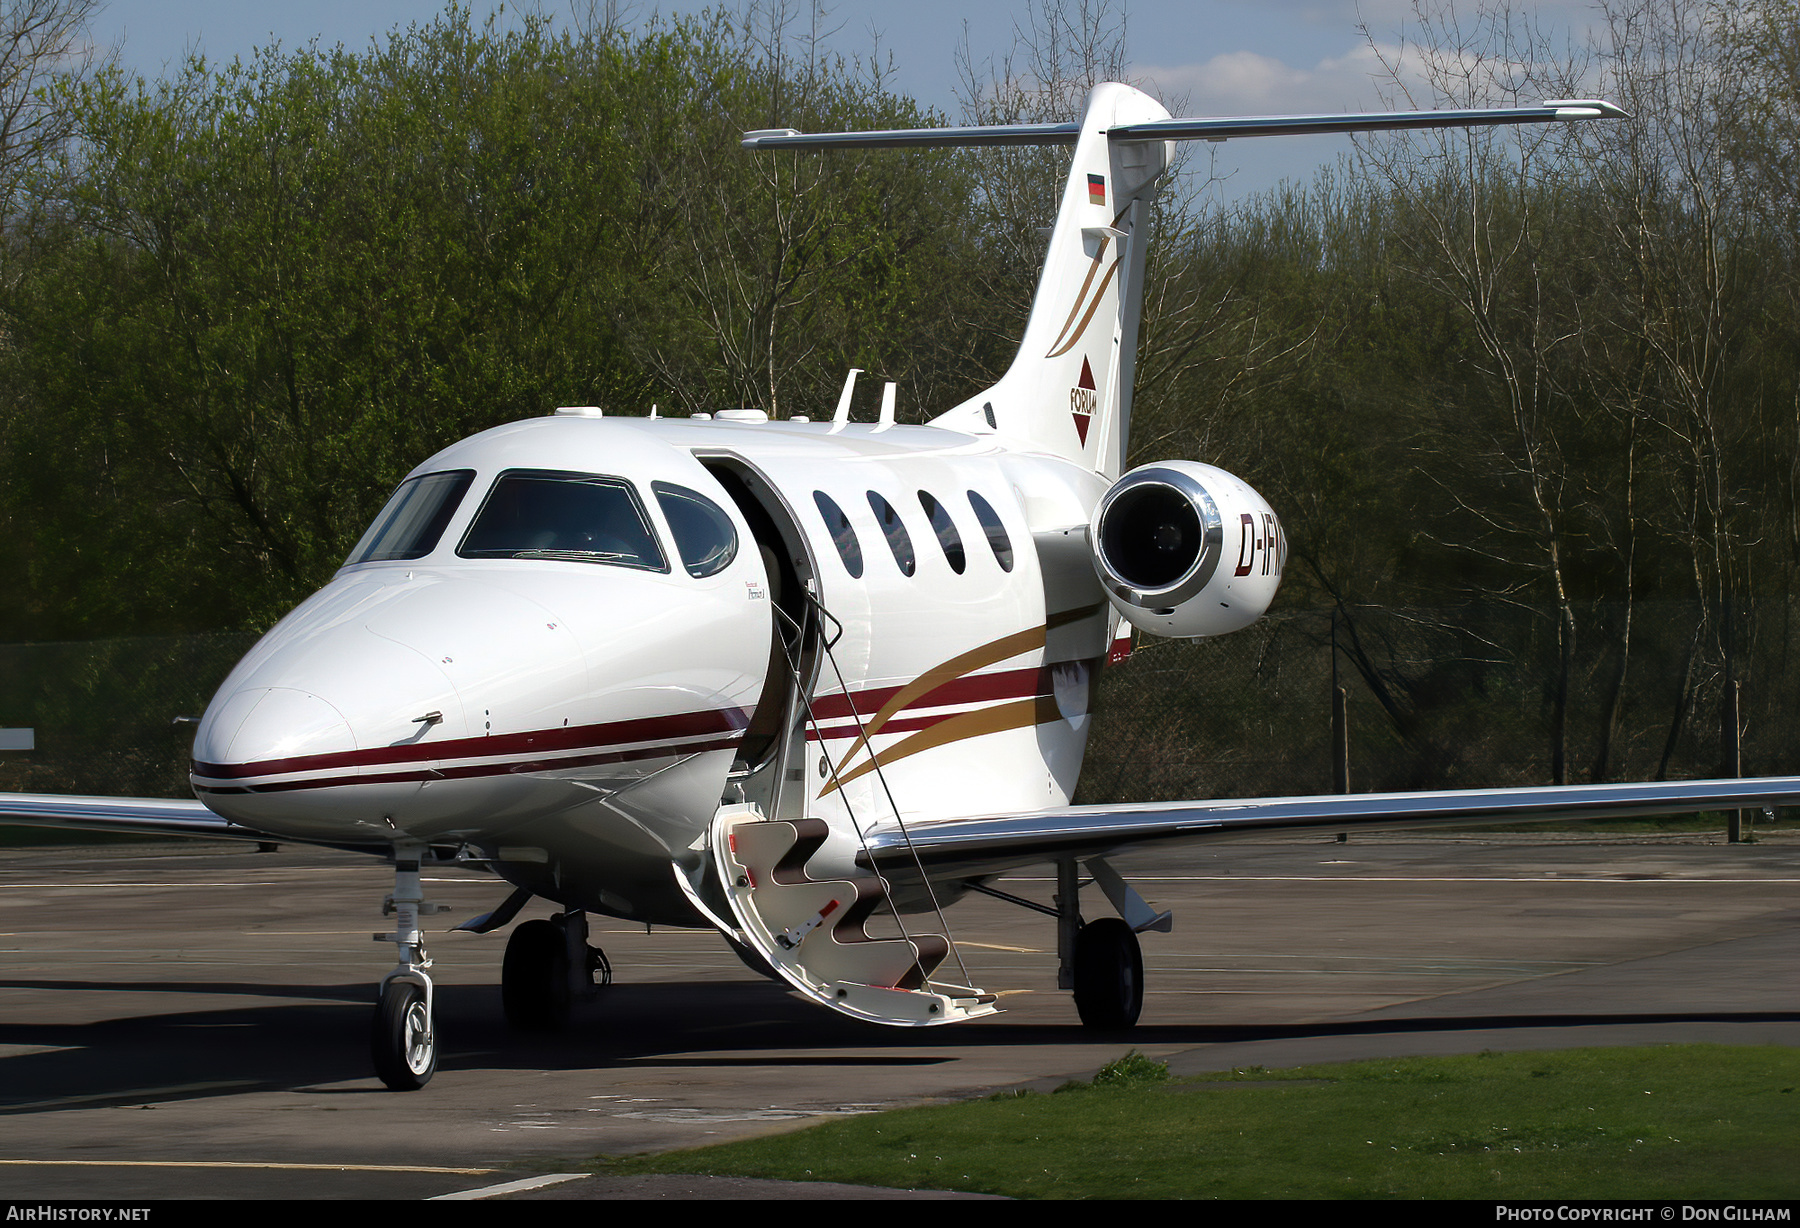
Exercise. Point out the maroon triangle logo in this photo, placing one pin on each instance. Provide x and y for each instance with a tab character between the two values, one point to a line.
1083	398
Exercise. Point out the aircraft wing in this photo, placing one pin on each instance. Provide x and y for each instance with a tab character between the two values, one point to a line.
989	844
138	816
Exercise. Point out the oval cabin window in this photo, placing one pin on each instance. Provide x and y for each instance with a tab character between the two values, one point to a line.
843	536
998	541
945	528
898	540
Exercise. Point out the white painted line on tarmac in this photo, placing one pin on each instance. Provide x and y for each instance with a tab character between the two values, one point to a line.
508	1187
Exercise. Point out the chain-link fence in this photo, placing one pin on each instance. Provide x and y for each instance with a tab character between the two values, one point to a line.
1464	698
1481	696
103	713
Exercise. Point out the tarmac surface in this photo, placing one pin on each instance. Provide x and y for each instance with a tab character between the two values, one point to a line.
191	1020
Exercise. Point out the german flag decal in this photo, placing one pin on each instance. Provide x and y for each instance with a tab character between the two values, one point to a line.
1096	189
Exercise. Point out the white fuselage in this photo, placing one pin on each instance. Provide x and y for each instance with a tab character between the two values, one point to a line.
578	719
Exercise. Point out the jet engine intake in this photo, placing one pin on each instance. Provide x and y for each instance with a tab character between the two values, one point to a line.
1185	549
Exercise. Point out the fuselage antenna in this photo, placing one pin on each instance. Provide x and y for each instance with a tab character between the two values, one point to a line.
841	417
887	406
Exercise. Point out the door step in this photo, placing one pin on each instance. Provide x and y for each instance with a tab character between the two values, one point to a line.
812	930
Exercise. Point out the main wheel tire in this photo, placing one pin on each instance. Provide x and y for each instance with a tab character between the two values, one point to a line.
1109	975
534	978
401	1038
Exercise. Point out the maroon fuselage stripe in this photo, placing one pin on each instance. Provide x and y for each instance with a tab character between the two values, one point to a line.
420	755
477	770
979	688
907	724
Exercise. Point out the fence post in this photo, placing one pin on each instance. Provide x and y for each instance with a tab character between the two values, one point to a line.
1733	756
1340	726
1340	740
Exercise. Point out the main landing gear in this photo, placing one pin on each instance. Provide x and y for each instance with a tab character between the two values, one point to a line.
548	966
1099	960
1108	975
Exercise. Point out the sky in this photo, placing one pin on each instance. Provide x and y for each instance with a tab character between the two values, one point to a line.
1224	57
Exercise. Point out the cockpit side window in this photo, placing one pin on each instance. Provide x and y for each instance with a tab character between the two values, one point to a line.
843	534
415	517
704	536
945	528
898	539
573	517
996	532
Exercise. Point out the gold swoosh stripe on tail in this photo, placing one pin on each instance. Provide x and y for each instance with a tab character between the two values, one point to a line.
987	654
1092	308
1081	294
1018	714
967	724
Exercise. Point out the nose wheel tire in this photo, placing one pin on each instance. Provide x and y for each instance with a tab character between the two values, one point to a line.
401	1039
1109	975
534	978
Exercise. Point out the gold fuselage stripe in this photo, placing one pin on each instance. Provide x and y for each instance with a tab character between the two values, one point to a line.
1013	715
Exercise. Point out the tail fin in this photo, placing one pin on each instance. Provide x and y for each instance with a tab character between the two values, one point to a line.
1068	392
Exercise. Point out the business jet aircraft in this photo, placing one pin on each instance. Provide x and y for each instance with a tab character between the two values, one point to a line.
777	677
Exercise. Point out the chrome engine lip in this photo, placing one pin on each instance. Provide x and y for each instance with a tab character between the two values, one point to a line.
1198	574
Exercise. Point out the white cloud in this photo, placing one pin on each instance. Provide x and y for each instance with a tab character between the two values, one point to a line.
1249	83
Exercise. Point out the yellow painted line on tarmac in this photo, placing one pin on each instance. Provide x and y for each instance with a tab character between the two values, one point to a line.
995	946
260	1164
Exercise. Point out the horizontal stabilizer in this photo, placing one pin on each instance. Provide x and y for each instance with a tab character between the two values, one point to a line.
1223	129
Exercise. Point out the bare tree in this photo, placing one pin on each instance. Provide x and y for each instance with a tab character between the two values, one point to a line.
41	41
1673	211
1483	207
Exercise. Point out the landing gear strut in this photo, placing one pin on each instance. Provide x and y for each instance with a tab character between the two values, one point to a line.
402	1038
549	965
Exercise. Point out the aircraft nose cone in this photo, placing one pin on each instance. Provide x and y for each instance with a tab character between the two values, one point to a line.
267	725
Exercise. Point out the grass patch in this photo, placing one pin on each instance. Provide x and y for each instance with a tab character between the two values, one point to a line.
1694	1121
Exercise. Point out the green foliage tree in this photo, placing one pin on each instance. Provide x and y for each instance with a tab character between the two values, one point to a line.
261	293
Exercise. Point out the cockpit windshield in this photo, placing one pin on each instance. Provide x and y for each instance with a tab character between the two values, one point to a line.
574	517
414	518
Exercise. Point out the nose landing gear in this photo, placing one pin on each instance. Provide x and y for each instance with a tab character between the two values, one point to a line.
402	1038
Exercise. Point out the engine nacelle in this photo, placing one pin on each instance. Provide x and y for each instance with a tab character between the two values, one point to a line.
1185	549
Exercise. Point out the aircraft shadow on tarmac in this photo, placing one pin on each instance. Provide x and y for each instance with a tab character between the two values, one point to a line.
320	1044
